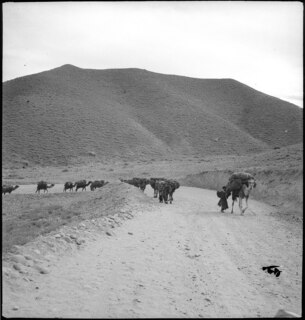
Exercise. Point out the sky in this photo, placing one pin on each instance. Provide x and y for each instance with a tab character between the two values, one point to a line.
257	43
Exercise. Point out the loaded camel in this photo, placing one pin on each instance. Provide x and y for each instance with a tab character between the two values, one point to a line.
166	189
69	186
154	183
240	186
174	186
140	183
8	188
42	185
81	184
97	184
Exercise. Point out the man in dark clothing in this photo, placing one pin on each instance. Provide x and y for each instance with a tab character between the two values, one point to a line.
223	203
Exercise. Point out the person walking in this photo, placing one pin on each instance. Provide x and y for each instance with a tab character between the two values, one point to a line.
223	203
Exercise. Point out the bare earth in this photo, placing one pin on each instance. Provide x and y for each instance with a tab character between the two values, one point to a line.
181	260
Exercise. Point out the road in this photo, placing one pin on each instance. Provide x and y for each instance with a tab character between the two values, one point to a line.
181	260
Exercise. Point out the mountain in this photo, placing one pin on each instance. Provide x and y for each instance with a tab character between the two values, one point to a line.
68	114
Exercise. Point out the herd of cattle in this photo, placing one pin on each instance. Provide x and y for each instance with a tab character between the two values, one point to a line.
163	188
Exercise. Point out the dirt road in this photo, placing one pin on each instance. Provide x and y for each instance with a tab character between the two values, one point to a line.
181	260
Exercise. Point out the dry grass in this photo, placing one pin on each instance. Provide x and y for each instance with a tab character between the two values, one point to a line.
27	224
26	217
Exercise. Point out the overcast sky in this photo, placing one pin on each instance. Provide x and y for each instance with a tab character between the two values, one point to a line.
257	43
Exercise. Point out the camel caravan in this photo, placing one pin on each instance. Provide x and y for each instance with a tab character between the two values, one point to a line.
163	188
82	184
239	187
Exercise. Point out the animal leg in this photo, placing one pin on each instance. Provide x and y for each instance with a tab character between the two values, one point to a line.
246	205
241	206
165	199
232	206
170	198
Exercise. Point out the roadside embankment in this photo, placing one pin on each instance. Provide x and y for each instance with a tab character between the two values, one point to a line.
26	217
282	188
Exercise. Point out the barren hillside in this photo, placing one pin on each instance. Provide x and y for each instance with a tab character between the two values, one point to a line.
65	115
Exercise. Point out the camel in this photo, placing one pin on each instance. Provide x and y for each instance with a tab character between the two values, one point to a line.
137	182
97	184
163	189
240	189
69	186
174	185
166	189
154	183
8	188
143	182
42	185
81	184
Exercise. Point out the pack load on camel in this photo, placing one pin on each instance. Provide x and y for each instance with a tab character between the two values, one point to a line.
239	186
243	176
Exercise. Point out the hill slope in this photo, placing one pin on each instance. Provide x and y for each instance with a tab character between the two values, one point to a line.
57	116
